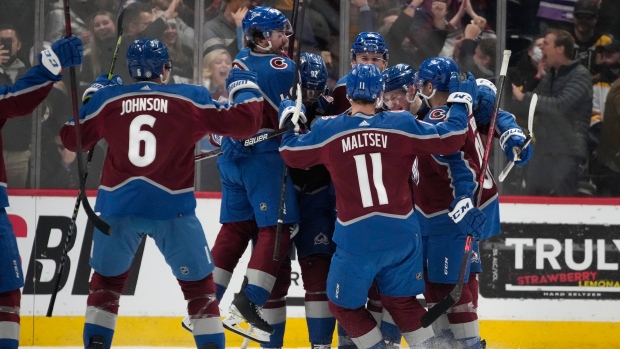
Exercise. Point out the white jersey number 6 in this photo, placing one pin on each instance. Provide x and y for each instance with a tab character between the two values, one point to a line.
137	136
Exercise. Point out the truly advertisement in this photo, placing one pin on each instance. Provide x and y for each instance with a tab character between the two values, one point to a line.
552	261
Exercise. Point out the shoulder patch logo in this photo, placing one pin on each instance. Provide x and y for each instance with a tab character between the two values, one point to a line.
437	114
364	123
278	63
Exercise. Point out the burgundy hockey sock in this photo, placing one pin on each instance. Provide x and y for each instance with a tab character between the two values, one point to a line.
9	319
320	321
357	322
102	308
231	243
202	308
473	284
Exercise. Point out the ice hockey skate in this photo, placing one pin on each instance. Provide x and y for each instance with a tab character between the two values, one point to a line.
245	319
96	342
187	324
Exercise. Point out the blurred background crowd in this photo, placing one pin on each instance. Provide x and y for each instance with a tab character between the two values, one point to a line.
576	128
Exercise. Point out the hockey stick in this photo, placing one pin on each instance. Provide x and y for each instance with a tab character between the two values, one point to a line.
70	234
98	222
207	154
76	208
443	305
528	139
293	124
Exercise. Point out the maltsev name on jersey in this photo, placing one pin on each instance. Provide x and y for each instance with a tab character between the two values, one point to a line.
360	140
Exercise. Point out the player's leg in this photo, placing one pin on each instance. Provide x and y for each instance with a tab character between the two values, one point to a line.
348	282
184	246
400	281
111	257
445	252
315	249
274	310
229	246
238	225
10	296
262	174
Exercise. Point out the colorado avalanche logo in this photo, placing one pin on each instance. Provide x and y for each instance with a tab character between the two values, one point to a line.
475	258
415	174
437	114
237	65
278	63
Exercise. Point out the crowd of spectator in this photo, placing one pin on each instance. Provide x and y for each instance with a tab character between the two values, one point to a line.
577	151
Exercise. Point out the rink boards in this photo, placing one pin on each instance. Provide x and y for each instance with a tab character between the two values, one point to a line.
551	278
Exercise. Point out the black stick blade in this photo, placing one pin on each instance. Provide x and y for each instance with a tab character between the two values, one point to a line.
438	309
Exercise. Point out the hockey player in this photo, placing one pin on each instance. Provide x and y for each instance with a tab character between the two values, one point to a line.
443	186
368	48
317	205
251	185
376	233
18	100
147	185
400	89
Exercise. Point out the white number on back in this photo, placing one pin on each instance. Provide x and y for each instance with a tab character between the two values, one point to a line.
137	136
377	178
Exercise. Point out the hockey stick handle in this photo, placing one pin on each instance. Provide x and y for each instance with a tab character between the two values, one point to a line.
511	163
294	122
65	250
207	154
98	222
489	142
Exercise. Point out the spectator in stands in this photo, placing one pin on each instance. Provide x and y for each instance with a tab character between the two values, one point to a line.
97	60
562	119
606	167
216	66
475	55
224	31
588	39
180	54
16	133
526	74
55	21
140	22
184	31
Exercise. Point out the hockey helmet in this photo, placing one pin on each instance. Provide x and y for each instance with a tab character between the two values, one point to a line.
265	19
437	70
365	82
146	58
369	42
398	76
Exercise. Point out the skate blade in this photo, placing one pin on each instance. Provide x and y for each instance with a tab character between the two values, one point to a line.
238	325
187	324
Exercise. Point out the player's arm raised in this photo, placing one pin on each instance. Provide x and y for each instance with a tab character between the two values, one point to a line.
242	116
448	136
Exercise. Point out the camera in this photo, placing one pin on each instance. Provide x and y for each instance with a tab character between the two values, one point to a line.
7	44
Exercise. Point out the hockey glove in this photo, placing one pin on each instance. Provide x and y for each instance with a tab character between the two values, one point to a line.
240	82
465	92
64	53
234	149
101	82
324	105
511	142
286	112
469	218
